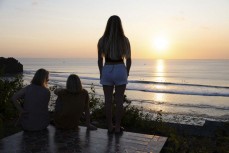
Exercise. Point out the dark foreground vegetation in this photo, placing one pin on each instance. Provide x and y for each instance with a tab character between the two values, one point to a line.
8	113
181	139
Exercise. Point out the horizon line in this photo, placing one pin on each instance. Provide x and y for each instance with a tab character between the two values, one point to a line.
132	58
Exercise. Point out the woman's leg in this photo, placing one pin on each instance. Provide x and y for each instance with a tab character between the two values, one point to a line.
108	94
119	97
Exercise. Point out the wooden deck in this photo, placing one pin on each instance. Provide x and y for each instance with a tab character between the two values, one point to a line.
99	141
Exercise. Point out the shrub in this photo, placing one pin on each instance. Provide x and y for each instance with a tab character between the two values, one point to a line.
7	89
7	110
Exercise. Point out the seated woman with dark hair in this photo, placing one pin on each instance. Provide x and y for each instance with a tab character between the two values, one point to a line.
34	113
70	105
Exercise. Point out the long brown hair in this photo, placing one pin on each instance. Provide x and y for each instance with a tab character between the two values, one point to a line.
40	78
73	84
114	44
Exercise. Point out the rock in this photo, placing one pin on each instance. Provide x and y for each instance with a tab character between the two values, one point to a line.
10	66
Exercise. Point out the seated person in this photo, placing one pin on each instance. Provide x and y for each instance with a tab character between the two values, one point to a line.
70	105
33	113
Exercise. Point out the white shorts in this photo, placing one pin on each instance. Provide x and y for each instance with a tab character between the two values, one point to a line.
114	75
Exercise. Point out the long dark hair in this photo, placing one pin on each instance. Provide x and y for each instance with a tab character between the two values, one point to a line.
114	44
73	84
40	77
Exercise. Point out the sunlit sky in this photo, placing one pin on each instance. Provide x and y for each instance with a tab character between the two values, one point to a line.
165	29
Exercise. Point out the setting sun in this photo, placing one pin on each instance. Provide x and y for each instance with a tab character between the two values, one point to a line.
160	43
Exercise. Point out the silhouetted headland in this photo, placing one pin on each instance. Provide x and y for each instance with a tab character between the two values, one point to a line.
10	66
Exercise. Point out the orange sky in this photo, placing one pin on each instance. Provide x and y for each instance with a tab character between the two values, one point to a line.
70	29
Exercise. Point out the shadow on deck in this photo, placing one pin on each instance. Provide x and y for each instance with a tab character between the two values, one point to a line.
99	141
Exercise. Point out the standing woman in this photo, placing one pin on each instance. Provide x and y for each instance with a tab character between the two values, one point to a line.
33	112
114	46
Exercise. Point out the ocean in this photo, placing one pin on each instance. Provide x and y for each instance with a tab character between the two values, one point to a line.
185	91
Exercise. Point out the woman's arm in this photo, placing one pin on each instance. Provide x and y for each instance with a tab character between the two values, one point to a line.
128	65
16	97
87	115
59	105
57	91
100	58
128	60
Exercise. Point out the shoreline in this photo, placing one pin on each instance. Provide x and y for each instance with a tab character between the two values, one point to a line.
175	108
173	118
